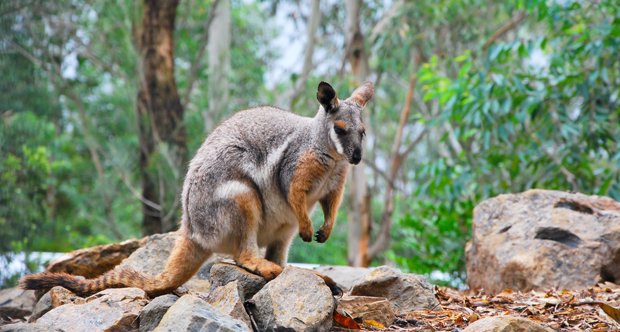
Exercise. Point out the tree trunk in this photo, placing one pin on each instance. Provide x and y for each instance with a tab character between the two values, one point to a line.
219	62
163	141
359	200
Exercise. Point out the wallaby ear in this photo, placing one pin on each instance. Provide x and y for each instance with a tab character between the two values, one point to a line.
362	94
326	95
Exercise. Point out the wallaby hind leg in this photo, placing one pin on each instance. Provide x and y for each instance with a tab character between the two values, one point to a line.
246	252
184	261
277	250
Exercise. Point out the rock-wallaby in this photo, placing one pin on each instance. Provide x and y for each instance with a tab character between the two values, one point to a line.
251	185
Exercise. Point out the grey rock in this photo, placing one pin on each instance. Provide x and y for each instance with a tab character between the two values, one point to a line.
55	297
405	291
43	306
228	300
111	309
249	284
344	276
506	324
191	313
25	327
543	239
297	300
152	314
16	303
151	257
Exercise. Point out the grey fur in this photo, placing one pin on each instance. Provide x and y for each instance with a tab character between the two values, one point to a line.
257	150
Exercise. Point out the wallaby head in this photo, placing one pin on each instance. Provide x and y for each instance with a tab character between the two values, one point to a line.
343	122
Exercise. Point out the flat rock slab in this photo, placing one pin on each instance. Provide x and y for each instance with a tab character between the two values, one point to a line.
344	276
191	313
405	291
543	239
16	303
297	300
152	314
362	308
506	324
111	309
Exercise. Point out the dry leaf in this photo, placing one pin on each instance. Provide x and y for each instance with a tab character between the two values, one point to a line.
345	321
373	323
610	311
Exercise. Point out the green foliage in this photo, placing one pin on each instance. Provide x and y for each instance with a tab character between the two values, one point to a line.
537	107
539	111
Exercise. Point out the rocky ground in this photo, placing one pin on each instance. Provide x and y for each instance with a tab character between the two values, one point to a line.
535	243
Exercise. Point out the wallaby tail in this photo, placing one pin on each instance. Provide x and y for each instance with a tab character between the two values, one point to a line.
185	259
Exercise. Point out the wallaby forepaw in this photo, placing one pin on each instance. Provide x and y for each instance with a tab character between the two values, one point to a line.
306	236
321	236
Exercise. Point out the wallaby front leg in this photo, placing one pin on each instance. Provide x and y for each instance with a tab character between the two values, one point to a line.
330	204
307	170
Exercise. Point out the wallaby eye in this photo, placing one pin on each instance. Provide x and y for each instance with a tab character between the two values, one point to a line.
339	131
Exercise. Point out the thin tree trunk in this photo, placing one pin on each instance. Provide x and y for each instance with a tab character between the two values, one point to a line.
159	112
219	62
313	26
359	200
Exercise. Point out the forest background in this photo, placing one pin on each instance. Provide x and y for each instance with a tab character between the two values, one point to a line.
104	102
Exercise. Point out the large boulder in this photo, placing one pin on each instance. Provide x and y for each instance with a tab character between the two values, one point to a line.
15	303
95	261
297	300
506	324
405	291
109	310
191	313
543	239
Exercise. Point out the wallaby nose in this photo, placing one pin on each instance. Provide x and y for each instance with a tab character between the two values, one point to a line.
357	156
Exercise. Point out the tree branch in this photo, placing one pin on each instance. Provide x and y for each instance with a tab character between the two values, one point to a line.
197	63
513	23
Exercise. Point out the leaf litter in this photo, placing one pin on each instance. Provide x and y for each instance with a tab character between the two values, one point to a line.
594	309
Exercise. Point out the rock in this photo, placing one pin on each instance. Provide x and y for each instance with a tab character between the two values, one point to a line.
249	284
43	306
54	298
344	276
25	327
111	309
363	308
228	300
16	303
405	291
191	313
152	314
151	257
543	239
506	324
297	300
95	261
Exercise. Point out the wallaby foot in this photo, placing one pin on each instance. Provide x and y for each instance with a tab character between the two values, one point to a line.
257	265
